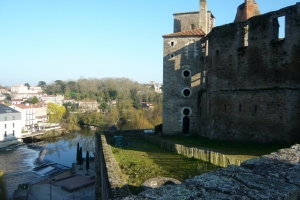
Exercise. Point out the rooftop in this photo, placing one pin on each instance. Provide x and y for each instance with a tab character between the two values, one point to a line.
187	33
5	109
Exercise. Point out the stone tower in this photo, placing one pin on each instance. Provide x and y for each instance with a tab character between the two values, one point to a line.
246	10
182	50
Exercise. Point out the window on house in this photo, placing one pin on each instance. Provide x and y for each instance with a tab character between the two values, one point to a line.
172	43
5	134
5	126
13	132
172	55
192	26
13	125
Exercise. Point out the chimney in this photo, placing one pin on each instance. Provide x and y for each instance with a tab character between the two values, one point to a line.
247	10
203	16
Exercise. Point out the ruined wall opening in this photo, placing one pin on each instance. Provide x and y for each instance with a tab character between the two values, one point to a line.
243	36
278	28
281	21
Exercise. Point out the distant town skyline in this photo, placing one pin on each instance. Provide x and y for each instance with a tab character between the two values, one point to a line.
71	39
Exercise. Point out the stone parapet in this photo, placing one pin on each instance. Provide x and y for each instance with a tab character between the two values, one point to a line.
273	176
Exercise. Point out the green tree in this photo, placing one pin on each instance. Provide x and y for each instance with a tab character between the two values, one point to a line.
34	100
113	94
55	112
87	162
42	84
80	158
72	123
139	121
28	86
77	154
104	107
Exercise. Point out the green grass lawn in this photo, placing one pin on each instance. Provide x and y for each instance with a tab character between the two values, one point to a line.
142	161
237	150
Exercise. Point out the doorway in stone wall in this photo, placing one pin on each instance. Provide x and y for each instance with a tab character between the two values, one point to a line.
186	125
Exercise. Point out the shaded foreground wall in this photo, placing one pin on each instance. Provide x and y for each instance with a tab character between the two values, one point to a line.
273	176
109	182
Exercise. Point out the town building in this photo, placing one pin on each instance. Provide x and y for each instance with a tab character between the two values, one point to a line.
88	105
239	81
10	124
53	98
28	117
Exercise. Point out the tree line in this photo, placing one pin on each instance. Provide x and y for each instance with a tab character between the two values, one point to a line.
128	112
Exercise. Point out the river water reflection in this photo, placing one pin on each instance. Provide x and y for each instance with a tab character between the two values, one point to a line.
18	163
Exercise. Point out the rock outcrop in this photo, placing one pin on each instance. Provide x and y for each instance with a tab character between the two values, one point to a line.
273	176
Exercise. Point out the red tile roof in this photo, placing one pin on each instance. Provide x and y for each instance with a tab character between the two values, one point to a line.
194	32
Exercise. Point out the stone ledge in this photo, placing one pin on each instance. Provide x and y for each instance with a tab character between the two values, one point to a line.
273	176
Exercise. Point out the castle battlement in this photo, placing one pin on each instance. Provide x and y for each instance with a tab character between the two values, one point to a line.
241	81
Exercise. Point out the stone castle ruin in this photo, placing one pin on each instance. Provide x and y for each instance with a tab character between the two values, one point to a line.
238	81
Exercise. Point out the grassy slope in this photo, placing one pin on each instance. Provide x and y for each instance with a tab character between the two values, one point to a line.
142	161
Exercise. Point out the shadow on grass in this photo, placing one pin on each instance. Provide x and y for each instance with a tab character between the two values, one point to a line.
142	161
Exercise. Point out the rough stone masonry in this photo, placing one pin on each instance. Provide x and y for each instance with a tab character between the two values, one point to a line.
273	176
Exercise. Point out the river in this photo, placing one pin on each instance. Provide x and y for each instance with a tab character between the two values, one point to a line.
18	163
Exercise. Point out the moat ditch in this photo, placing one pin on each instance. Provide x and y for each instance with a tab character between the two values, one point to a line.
142	160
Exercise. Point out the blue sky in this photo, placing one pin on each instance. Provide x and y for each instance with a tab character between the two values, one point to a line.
48	40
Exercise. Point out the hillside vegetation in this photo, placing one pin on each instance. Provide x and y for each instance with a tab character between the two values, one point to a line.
119	102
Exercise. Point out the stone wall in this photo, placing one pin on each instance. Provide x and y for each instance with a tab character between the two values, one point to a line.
109	180
212	157
244	81
253	80
273	176
185	21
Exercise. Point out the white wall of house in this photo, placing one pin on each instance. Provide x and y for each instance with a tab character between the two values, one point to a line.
10	126
19	89
28	115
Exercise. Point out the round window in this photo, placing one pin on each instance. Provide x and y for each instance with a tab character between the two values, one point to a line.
186	73
186	111
186	92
